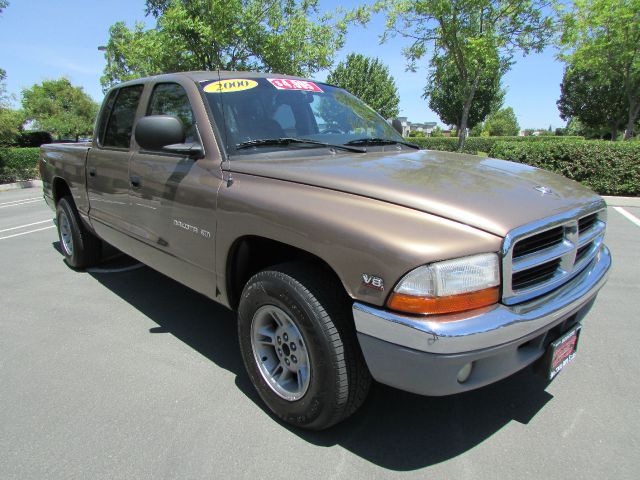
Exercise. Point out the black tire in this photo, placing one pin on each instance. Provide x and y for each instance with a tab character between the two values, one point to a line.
314	301
79	246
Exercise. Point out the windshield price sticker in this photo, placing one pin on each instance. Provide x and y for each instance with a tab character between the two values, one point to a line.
230	85
288	84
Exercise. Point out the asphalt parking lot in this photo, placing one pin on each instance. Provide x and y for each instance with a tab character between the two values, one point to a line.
120	372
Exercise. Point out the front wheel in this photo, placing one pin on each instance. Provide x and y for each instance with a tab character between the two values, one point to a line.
299	346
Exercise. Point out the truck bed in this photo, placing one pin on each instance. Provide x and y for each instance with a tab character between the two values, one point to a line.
68	161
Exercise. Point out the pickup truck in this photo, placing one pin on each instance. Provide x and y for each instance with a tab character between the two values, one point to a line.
348	253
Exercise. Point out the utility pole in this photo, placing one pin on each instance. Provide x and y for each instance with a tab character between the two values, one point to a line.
103	48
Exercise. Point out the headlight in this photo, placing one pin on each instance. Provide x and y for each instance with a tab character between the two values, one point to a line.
450	286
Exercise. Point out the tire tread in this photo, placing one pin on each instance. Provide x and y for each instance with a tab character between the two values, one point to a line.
333	308
87	247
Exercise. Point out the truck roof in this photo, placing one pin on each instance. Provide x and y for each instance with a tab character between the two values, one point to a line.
204	75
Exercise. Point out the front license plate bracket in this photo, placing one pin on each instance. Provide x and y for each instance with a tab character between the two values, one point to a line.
560	353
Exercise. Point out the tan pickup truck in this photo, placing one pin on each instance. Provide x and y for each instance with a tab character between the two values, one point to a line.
348	253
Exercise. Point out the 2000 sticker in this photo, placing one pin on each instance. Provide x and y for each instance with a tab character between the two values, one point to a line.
230	85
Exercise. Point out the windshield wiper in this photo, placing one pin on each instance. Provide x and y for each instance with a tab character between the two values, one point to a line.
290	140
380	141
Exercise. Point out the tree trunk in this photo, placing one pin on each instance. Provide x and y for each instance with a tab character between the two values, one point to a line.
634	109
462	131
614	131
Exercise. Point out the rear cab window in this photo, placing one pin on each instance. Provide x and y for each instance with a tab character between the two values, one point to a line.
120	108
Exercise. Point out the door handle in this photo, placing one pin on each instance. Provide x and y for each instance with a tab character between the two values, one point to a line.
135	181
92	172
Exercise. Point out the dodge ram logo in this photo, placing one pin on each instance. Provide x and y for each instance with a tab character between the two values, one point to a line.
543	190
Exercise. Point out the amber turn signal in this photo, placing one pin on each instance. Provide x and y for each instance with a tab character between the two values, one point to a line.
440	305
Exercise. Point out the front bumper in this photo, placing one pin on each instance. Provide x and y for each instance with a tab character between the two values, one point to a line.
424	354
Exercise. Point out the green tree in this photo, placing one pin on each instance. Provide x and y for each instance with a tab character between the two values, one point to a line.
369	80
10	125
416	134
598	101
4	98
603	37
446	94
576	128
477	36
477	130
501	123
3	74
57	107
437	132
285	36
10	120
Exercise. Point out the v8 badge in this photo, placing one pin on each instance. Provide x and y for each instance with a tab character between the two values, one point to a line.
371	281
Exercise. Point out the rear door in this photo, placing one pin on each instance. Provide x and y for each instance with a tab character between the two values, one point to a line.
173	197
108	180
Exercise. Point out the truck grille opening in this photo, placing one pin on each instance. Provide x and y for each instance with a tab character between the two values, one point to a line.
587	222
582	251
537	242
536	275
541	260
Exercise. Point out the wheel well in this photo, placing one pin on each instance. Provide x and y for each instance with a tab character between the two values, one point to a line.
251	254
60	189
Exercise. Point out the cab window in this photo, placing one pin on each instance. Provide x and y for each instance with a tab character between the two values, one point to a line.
171	99
104	115
123	113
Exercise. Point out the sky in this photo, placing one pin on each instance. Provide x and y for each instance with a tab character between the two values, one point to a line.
44	39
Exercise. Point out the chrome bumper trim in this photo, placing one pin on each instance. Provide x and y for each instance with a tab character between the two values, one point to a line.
488	327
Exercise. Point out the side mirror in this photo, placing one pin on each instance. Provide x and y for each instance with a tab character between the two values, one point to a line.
165	133
157	131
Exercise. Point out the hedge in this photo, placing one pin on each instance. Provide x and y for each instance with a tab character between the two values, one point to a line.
18	164
474	145
609	168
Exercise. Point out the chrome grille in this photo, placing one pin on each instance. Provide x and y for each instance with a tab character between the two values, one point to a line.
534	276
541	257
538	242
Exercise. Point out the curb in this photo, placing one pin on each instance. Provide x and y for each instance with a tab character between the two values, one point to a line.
622	201
19	185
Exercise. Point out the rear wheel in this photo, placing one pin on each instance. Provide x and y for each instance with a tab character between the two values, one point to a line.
79	246
299	346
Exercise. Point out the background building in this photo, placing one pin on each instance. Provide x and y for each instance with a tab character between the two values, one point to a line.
408	126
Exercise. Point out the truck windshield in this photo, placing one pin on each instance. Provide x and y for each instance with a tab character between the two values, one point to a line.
259	109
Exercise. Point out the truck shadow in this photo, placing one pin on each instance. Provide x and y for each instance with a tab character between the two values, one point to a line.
395	430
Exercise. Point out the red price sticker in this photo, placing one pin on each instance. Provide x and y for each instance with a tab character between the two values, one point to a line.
288	84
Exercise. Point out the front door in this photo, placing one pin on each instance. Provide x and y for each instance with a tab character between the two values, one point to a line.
173	198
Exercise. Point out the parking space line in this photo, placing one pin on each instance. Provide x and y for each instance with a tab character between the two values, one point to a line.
21	203
21	200
632	218
25	226
25	233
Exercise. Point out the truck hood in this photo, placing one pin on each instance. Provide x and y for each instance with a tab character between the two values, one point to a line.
493	195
